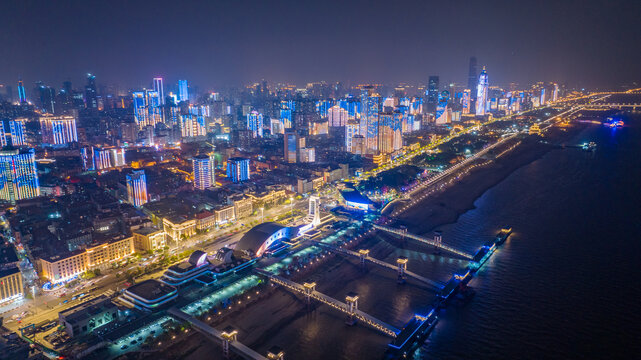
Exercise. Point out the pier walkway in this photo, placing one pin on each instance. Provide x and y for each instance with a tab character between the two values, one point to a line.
227	338
351	308
363	255
403	232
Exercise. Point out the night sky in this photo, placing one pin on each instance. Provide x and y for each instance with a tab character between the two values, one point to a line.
234	42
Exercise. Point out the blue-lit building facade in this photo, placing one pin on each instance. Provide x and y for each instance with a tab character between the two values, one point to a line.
370	105
12	132
255	124
147	107
159	88
18	175
482	93
58	131
183	90
102	158
238	169
22	95
204	171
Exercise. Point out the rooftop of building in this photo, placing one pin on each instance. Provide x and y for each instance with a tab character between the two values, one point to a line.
151	289
87	309
146	231
10	271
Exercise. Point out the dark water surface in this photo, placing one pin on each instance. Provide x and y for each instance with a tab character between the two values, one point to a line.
567	284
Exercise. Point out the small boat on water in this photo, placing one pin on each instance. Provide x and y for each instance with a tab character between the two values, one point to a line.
591	146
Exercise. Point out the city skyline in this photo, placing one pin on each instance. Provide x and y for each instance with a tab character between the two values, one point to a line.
294	43
319	180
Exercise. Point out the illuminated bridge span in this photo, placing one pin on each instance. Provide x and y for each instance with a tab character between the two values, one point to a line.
350	308
401	263
434	242
228	338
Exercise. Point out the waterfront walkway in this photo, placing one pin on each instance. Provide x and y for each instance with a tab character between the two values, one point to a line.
403	232
227	340
380	263
351	309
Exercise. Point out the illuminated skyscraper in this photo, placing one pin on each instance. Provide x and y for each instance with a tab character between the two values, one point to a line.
370	106
432	93
204	171
471	78
58	130
147	108
255	123
47	96
154	106
481	93
337	116
102	158
291	146
12	132
91	96
18	175
466	101
389	132
238	169
443	99
22	95
158	87
137	188
183	90
351	130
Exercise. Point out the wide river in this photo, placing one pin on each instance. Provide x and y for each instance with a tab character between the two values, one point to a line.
567	285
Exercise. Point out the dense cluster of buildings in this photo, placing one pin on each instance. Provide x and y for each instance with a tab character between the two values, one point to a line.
89	177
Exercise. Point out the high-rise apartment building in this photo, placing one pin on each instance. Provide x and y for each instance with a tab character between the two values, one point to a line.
159	88
255	123
238	169
58	130
337	116
137	188
291	146
204	171
102	158
147	108
183	90
18	175
12	132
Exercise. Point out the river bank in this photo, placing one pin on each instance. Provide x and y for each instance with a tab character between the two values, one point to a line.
446	206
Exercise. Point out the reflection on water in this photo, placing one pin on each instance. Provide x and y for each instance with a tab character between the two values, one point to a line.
565	285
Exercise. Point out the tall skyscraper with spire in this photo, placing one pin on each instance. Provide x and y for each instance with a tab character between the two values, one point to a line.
481	93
